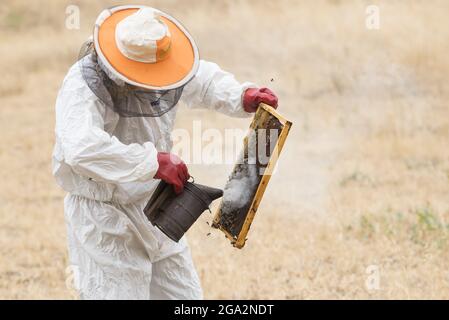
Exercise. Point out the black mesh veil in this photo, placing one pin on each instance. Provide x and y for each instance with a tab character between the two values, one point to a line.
125	99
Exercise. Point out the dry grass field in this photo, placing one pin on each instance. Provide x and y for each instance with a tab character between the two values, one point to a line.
363	180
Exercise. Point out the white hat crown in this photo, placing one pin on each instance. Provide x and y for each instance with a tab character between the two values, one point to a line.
137	35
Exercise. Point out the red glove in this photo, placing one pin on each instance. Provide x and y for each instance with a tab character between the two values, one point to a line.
172	170
254	96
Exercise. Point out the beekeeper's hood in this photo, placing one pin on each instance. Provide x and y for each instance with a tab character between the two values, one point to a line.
147	53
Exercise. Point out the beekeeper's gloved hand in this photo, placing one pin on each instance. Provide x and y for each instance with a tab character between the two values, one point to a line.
254	96
172	170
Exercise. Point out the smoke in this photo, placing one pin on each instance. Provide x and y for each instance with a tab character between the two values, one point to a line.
240	188
243	182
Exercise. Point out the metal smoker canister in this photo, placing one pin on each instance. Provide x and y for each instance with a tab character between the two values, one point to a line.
175	214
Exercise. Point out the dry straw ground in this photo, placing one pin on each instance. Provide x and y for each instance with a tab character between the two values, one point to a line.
364	179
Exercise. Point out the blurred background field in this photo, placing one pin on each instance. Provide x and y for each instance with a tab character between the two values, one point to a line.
363	180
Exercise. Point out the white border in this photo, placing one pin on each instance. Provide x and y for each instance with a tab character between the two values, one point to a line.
108	12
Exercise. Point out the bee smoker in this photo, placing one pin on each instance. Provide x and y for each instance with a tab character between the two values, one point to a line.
174	214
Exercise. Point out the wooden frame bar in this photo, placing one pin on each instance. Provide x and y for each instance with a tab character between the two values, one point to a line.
262	113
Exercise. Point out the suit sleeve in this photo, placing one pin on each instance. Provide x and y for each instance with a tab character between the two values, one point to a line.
88	149
213	88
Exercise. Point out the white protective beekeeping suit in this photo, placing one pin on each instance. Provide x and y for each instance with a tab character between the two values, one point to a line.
106	164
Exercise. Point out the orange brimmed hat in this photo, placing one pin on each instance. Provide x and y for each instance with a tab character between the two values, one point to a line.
145	47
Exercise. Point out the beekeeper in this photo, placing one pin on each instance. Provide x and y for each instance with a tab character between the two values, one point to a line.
114	115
